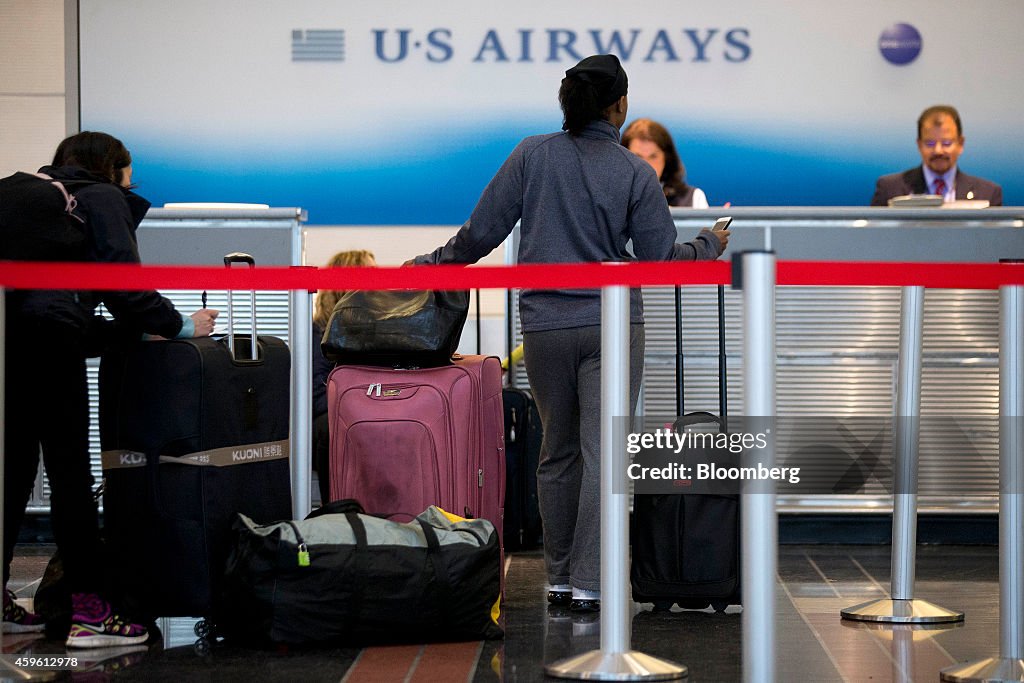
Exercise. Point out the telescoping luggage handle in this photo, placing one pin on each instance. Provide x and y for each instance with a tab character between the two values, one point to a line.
723	392
238	257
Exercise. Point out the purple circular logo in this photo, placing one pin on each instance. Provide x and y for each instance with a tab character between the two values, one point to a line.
900	44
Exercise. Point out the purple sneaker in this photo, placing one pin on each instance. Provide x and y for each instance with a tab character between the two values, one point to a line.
94	624
19	620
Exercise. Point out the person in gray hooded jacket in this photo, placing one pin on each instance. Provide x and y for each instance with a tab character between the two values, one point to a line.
580	197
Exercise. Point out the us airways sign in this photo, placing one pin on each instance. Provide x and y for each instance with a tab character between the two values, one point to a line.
529	45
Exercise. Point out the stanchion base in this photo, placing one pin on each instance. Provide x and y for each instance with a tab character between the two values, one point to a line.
985	671
901	612
618	666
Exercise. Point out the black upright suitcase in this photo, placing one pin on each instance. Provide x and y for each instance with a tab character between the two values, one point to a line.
523	436
192	433
686	547
523	528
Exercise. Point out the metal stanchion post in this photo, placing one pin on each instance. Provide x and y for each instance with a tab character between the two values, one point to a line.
614	661
1009	666
758	516
300	336
901	606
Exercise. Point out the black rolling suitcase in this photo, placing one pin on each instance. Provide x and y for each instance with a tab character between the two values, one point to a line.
522	527
194	431
686	547
523	435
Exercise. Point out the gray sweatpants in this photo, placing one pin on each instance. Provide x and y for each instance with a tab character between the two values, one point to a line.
564	368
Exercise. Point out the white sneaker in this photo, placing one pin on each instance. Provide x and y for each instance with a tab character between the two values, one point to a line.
585	601
559	593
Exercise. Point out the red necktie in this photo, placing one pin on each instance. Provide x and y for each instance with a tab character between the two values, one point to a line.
940	187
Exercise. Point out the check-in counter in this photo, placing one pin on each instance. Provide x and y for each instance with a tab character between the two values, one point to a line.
202	236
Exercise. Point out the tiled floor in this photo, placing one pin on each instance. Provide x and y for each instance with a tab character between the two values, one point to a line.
814	644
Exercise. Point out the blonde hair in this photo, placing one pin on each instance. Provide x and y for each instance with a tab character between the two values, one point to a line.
326	299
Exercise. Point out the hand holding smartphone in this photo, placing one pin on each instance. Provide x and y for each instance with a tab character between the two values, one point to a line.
721	230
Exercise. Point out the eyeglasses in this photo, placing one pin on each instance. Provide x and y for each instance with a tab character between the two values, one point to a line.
931	144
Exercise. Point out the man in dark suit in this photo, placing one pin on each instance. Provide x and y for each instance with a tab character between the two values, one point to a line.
940	141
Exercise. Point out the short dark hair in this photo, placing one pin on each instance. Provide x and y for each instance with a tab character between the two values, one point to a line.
100	154
939	110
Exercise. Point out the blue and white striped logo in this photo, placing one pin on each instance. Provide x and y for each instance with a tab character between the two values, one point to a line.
318	45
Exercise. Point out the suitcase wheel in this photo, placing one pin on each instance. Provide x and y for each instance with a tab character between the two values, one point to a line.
719	606
202	647
202	629
663	605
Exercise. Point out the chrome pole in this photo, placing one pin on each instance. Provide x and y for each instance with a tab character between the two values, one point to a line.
300	436
1009	666
908	432
615	622
300	332
1011	465
614	661
759	518
901	606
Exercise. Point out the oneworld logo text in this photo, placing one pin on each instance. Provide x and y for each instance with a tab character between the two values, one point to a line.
900	44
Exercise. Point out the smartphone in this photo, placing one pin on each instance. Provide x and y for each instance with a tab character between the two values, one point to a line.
722	223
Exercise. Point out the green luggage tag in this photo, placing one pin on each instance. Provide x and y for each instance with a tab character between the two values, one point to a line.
303	554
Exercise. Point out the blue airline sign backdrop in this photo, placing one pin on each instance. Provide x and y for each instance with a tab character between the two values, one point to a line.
399	113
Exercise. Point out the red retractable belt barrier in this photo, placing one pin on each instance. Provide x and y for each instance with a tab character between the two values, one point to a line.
117	276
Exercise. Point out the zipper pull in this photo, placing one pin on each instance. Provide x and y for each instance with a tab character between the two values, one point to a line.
480	478
369	389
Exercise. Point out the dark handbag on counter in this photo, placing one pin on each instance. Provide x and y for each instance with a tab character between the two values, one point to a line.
396	328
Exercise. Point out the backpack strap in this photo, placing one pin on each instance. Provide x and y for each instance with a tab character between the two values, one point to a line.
70	203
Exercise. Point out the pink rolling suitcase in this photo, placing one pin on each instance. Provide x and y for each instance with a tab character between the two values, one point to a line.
402	440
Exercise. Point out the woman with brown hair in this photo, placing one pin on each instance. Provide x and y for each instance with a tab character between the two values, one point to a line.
652	142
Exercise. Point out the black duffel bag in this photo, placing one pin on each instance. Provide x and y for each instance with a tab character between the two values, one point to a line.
354	579
396	328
